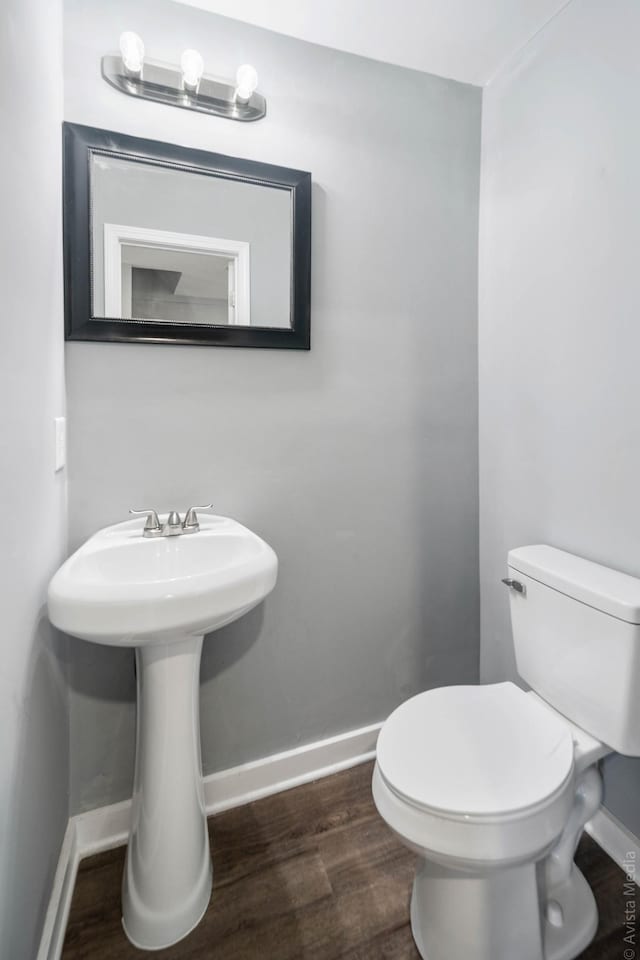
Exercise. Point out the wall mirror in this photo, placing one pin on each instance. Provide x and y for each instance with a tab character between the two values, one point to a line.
165	244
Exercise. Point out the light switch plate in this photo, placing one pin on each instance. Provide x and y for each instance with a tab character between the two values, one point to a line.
61	443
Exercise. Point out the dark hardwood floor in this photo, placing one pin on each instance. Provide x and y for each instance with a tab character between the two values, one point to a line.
312	873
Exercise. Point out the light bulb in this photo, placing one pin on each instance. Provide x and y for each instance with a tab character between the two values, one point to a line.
132	52
246	82
192	66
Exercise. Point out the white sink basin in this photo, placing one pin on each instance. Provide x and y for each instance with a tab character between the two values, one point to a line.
121	589
162	596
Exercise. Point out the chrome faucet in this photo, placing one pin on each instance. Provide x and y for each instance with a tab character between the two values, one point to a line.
173	526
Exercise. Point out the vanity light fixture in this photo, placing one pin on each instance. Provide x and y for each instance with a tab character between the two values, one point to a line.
187	86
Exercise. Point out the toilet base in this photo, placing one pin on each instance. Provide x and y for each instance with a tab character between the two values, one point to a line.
496	916
580	919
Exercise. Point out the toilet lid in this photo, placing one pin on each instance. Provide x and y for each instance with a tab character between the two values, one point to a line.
480	751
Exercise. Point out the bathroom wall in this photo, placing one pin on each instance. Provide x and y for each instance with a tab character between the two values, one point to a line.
559	335
34	774
357	461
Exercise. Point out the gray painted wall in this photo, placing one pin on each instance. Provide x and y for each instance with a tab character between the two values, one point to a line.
356	461
34	774
144	196
559	335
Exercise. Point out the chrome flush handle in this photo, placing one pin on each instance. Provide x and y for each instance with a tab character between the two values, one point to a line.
515	585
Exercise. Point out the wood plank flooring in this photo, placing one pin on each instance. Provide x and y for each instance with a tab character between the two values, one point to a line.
312	873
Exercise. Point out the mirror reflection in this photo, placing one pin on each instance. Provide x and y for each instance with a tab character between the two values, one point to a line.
178	246
178	287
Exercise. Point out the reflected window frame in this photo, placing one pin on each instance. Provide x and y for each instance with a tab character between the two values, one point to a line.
80	145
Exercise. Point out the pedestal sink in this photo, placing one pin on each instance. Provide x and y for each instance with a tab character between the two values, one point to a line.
162	596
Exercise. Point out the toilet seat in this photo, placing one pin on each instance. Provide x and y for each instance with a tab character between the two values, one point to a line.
475	751
475	773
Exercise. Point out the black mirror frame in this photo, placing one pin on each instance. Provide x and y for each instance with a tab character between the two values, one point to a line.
79	143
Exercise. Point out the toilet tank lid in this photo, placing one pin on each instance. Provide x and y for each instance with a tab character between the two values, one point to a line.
610	591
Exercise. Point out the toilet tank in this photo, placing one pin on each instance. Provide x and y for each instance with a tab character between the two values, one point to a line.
576	632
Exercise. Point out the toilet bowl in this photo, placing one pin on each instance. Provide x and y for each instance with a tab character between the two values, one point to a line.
481	782
492	786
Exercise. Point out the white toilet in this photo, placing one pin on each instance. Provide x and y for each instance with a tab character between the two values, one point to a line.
492	786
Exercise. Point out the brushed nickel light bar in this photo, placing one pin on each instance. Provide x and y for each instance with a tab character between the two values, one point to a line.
186	86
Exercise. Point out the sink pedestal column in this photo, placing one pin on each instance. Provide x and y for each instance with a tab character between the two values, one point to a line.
167	878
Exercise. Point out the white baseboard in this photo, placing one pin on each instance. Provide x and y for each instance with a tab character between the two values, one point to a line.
108	827
282	771
55	921
103	828
614	838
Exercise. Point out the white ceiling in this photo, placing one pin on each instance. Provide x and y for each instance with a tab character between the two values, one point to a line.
466	40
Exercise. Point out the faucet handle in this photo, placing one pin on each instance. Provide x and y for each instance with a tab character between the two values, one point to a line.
191	523
152	524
